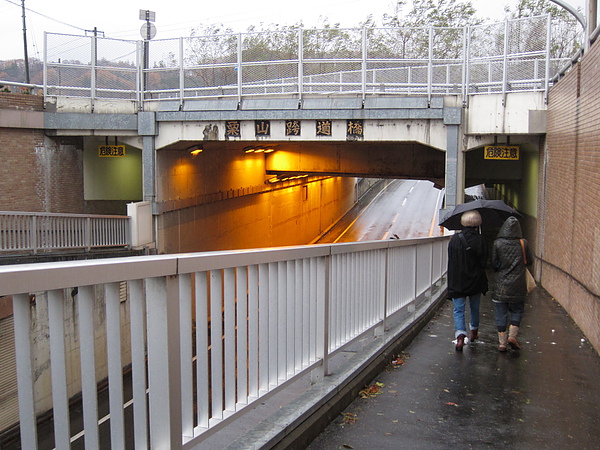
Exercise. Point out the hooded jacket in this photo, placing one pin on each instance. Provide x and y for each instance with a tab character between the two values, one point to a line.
466	264
508	263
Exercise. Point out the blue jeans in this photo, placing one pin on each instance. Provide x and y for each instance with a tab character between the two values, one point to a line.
505	310
460	326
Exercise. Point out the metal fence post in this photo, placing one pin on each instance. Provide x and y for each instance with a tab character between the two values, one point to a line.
466	64
300	63
505	64
140	76
363	75
430	67
548	45
239	67
45	73
181	74
93	69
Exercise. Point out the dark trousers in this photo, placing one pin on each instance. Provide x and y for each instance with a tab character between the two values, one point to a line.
508	312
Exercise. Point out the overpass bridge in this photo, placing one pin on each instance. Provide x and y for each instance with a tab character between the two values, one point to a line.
265	108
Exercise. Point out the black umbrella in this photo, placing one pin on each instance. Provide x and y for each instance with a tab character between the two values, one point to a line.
493	213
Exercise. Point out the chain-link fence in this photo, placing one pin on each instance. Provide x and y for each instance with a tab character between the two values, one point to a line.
516	55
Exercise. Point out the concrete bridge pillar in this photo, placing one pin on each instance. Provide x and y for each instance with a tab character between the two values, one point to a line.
148	129
454	167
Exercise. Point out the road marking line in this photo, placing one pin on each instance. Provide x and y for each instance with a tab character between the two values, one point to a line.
361	213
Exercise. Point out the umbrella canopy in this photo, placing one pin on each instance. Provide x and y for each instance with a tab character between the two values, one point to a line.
493	213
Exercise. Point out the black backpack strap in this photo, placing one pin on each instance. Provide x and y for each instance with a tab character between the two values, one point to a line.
464	241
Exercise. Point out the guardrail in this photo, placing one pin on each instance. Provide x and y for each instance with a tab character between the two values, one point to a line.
42	232
206	334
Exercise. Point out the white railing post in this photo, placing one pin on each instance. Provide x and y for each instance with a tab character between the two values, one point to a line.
27	418
88	234
216	345
202	375
323	290
185	323
85	303
33	234
115	366
164	367
138	363
58	365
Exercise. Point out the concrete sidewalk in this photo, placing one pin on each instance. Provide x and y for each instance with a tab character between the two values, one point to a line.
546	395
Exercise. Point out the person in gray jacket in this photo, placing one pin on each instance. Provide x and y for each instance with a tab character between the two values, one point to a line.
510	254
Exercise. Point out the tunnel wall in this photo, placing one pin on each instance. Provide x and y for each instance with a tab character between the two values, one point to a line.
223	200
568	211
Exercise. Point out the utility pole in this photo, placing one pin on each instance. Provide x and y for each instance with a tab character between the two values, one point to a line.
27	80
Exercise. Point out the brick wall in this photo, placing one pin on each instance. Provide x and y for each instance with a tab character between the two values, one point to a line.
569	210
38	173
21	101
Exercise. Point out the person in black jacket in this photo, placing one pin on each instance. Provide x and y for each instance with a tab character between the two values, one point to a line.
510	255
467	258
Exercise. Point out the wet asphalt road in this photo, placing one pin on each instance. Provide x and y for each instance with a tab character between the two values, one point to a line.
545	396
405	208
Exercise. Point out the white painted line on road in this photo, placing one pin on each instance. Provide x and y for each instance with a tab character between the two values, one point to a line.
361	213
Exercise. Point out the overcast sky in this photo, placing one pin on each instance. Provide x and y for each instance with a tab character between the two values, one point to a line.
120	18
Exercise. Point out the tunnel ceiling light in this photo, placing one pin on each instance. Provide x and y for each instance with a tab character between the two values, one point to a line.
255	149
195	149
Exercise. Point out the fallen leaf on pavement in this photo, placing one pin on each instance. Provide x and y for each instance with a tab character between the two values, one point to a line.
371	391
348	418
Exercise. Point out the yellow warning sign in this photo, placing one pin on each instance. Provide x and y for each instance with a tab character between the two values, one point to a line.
114	151
503	152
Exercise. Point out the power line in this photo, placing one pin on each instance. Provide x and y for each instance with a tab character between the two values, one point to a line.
45	16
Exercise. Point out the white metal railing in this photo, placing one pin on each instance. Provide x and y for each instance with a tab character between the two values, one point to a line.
38	232
514	55
207	334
